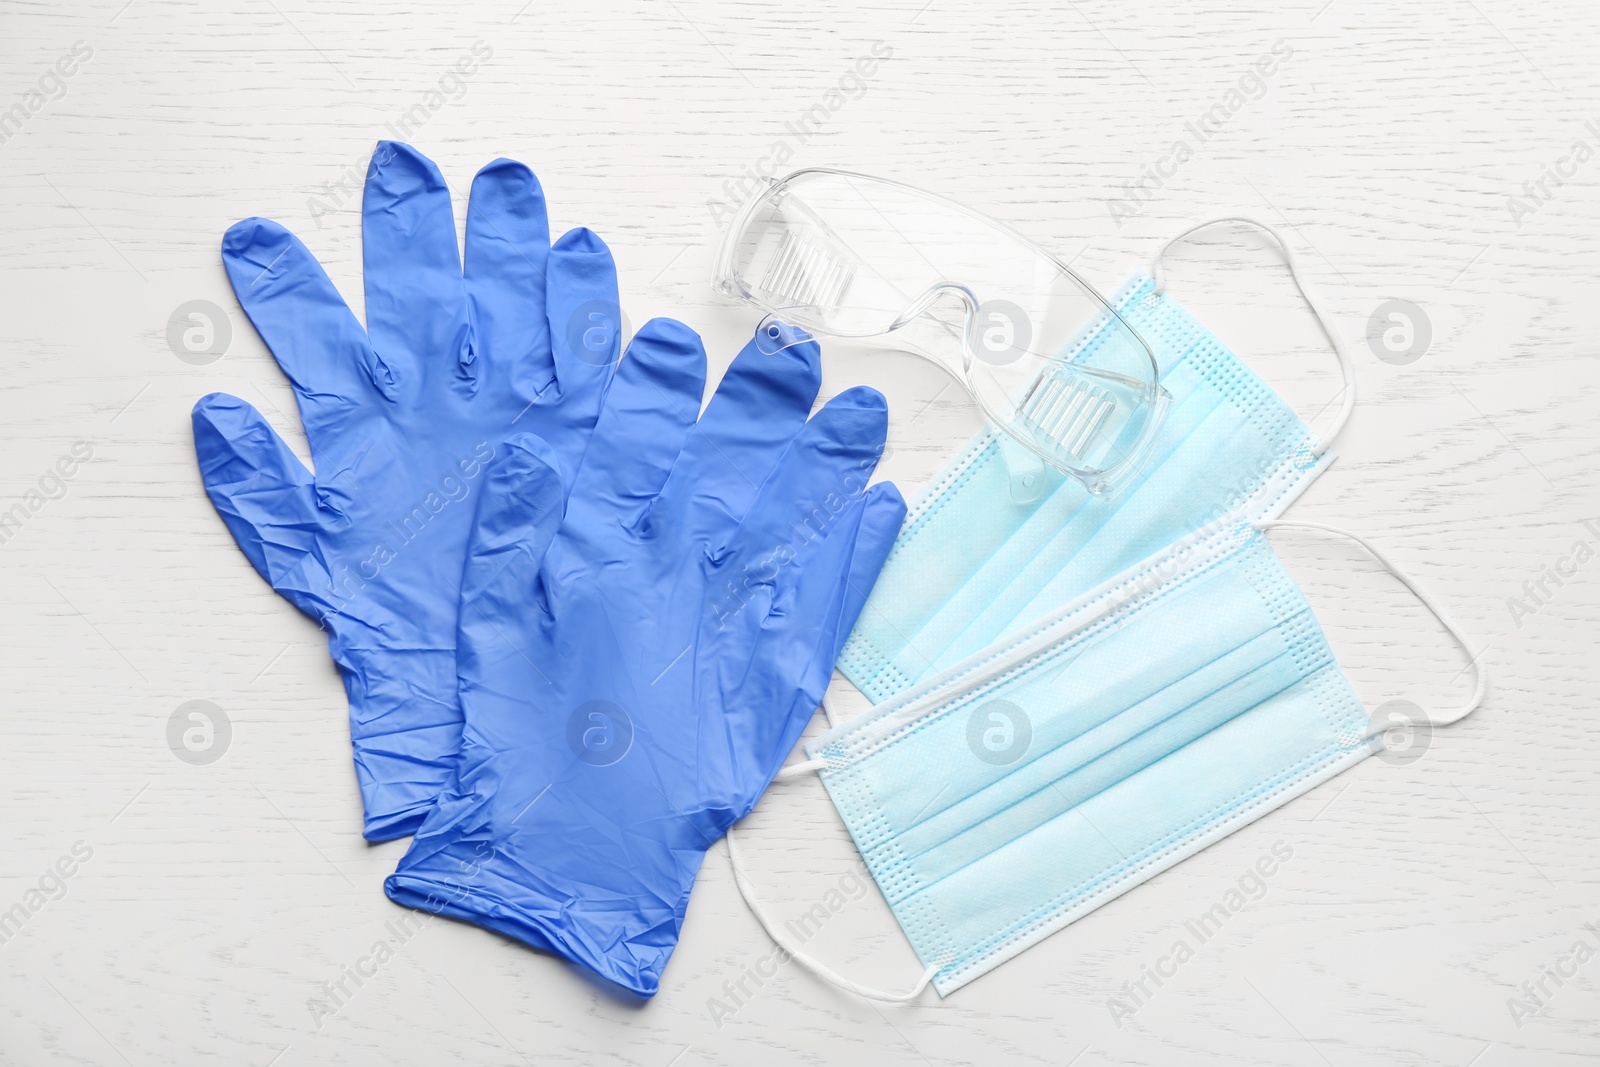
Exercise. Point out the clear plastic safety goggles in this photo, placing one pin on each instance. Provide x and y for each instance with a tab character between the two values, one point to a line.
1050	362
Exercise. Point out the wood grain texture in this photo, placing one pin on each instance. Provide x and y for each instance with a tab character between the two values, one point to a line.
218	899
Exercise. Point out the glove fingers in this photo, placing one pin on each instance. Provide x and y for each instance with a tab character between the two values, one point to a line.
585	315
303	320
507	248
759	406
829	462
416	299
818	595
650	408
263	492
884	514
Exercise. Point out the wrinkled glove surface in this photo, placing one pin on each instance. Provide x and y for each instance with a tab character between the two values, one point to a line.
634	672
402	418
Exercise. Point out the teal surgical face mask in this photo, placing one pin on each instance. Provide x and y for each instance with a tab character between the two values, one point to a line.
1062	767
998	540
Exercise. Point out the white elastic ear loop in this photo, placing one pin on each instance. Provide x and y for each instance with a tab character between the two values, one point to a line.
1478	670
1346	367
747	890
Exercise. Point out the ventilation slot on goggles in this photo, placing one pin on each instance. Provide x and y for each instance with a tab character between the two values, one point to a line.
1066	412
802	274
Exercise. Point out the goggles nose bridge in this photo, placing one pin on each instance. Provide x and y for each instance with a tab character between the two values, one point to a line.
930	296
940	352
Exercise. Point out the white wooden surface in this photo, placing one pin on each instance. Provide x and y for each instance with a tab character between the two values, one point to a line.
219	899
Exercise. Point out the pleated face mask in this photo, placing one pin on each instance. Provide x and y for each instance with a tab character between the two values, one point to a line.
1057	770
997	540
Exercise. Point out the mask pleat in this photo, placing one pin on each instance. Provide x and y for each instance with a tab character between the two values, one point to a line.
1064	694
1190	697
1016	890
1101	757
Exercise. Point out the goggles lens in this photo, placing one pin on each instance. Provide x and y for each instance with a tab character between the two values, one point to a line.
1050	362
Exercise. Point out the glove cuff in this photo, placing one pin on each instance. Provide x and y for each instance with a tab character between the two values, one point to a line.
405	731
624	936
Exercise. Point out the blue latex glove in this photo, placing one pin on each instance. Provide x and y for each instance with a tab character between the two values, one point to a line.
401	419
631	691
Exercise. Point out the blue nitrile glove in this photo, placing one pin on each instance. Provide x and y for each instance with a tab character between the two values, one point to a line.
631	691
402	418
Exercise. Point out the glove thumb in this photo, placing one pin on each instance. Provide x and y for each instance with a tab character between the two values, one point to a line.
881	519
264	494
519	511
